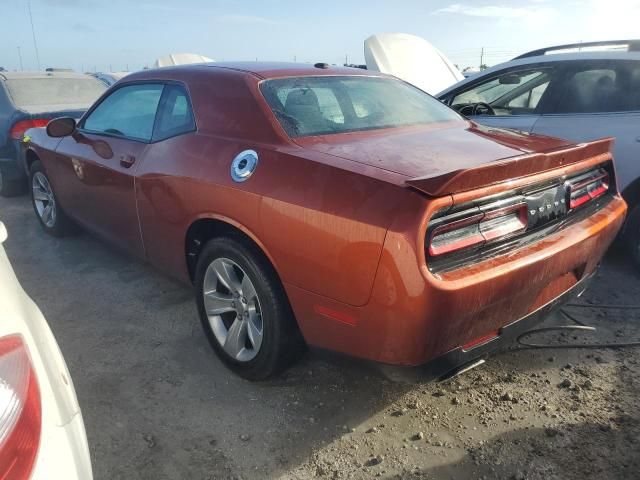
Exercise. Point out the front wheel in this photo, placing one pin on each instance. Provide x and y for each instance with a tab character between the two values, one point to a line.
51	217
244	310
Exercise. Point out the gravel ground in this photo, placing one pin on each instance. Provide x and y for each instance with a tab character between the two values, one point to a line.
158	404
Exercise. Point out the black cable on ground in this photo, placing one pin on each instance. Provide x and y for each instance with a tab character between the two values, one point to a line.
579	326
605	306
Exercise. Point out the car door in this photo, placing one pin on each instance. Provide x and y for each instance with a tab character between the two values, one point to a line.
600	99
516	96
96	165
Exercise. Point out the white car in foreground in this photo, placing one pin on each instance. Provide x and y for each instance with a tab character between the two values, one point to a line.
42	434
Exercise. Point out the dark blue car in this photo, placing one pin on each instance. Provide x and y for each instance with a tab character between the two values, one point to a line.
30	100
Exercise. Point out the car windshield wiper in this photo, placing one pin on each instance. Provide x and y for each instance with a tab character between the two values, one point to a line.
114	131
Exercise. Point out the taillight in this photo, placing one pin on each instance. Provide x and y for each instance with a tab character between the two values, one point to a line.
20	412
587	187
18	128
476	229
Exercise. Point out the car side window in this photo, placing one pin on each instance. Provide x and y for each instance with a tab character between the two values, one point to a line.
602	89
128	112
510	93
175	116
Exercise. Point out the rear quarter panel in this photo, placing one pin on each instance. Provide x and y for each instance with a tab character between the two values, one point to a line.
322	227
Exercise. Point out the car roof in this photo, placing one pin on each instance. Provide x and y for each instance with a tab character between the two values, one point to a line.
263	70
548	58
31	75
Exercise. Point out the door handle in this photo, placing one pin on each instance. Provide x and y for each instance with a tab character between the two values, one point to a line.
127	160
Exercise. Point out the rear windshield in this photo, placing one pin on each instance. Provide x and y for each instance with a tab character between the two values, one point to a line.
54	93
324	105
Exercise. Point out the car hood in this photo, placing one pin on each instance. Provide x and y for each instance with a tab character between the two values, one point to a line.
431	150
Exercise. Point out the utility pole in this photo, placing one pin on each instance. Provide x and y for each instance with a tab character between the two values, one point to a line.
346	59
481	57
33	32
20	57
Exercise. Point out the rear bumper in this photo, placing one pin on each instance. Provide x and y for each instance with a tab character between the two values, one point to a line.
459	357
63	452
414	316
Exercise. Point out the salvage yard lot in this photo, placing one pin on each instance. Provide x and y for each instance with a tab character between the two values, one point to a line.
158	404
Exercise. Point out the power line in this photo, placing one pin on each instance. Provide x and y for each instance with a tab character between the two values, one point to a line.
33	32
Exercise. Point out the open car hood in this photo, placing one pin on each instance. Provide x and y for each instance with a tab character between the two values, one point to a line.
411	59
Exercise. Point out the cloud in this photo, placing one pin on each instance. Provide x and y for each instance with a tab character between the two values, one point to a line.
244	19
609	20
535	12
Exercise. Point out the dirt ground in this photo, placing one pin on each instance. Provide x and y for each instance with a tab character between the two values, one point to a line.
158	404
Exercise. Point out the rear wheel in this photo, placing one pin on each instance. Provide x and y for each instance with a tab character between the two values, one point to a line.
11	184
632	235
51	216
244	310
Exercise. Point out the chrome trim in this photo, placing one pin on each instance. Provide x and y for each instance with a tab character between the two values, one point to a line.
243	165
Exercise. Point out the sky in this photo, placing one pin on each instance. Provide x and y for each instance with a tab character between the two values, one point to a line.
113	35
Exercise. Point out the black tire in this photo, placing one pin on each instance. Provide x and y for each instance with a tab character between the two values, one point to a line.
11	184
61	224
632	235
282	342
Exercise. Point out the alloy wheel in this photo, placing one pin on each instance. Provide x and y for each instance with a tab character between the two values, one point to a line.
43	199
233	309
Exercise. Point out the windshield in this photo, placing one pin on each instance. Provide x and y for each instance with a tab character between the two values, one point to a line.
54	93
326	105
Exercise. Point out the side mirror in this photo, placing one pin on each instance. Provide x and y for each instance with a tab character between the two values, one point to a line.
61	127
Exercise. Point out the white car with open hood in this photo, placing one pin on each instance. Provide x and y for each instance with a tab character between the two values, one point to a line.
42	434
412	59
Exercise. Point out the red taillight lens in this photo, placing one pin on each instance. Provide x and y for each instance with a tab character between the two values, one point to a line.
18	128
20	413
456	236
476	230
585	189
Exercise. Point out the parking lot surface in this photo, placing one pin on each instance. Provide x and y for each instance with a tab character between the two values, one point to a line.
158	404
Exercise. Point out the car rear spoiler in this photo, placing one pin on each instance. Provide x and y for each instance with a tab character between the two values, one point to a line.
509	169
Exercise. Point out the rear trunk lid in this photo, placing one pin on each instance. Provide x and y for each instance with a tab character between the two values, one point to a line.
49	112
458	156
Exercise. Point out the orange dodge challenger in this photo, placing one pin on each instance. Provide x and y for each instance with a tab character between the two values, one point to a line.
332	207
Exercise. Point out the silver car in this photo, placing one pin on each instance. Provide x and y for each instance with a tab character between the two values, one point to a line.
579	92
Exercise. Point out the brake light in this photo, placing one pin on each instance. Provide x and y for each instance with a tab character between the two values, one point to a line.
587	187
18	128
20	411
478	229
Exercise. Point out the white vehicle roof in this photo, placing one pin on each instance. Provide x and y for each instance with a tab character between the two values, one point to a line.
411	59
548	58
180	59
